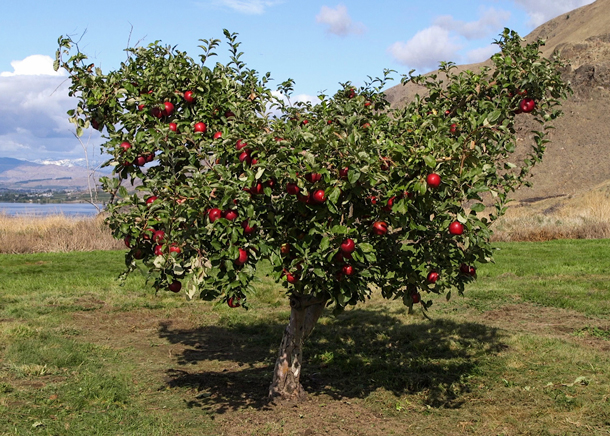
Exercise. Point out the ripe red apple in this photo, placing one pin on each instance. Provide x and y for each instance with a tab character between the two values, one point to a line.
367	103
416	298
127	240
229	114
214	214
95	124
319	196
240	144
380	228
305	199
138	254
305	122
313	177
433	180
254	161
173	248
292	188
432	277
173	127
351	93
241	258
125	146
230	215
247	229
158	250
140	161
388	206
472	271
217	135
175	286
456	228
257	189
150	200
285	249
150	157
200	127
156	112
233	302
290	278
348	270
169	108
366	125
527	105
158	236
188	96
245	156
453	128
464	269
141	106
348	246
343	173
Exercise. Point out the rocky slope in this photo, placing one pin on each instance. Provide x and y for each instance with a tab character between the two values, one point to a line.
578	158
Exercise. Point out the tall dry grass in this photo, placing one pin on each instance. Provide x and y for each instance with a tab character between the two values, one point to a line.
585	216
57	233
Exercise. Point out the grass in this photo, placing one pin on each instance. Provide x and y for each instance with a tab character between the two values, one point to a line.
524	352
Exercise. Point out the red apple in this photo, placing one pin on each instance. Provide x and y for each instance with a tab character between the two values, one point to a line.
348	270
351	93
285	249
168	108
416	298
433	180
214	214
233	302
150	200
472	271
158	250
188	96
200	127
173	127
173	248
247	229
380	228
292	188
230	215
156	112
464	269
245	156
343	173
175	286
367	103
456	228
141	106
150	157
257	189
140	161
366	125
388	206
527	105
319	196
125	146
313	177
241	258
290	278
229	114
158	236
453	128
432	277
348	246
240	144
127	240
138	254
217	135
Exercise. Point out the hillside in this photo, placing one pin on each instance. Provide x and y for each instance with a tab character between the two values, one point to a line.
578	158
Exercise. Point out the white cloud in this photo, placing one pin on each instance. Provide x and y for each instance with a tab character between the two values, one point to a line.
34	65
33	119
481	54
426	49
491	20
250	7
338	22
541	11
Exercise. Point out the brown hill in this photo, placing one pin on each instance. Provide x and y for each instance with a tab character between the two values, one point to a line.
578	158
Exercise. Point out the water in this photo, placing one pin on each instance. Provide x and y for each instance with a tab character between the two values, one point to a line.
35	209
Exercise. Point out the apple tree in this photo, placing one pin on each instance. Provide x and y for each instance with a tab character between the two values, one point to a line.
345	197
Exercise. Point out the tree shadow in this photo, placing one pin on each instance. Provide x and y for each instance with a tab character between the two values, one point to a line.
349	356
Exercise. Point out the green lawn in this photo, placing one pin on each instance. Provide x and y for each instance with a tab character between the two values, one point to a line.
525	351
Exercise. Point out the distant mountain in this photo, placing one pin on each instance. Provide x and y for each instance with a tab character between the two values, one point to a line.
578	157
21	175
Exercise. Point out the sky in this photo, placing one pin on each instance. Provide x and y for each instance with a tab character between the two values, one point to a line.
319	44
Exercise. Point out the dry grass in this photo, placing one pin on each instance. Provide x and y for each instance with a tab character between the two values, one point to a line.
585	216
57	233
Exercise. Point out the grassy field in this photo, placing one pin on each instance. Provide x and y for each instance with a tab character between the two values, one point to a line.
525	352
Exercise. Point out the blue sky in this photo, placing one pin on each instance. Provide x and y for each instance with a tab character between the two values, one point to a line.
316	43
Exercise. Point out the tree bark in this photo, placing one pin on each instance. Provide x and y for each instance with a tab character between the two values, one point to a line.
305	312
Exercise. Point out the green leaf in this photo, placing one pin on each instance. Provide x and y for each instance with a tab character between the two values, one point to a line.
478	207
493	117
353	176
324	244
430	161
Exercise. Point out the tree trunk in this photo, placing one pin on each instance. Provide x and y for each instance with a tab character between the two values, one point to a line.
305	311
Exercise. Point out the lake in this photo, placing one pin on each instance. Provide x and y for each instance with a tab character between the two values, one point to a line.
36	209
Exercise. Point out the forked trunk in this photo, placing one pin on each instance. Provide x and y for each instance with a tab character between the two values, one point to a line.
305	311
